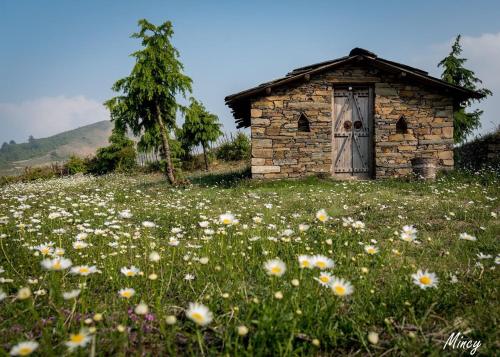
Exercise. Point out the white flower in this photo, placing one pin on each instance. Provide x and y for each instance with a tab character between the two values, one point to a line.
132	271
322	216
322	262
56	264
325	279
203	224
80	339
226	218
68	295
199	313
189	277
24	348
358	225
257	219
425	279
148	224
125	214
305	261
303	227
45	249
275	267
370	249
154	257
126	293
409	230
484	256
3	295
141	309
24	293
373	337
407	237
84	270
341	287
78	244
466	236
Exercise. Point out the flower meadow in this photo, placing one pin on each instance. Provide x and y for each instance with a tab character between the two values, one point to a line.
127	265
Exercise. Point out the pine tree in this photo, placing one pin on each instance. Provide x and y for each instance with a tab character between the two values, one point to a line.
148	94
455	73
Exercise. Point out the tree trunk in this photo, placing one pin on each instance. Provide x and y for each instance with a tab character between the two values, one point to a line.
205	156
169	171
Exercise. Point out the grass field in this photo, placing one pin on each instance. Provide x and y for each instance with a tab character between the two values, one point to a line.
173	248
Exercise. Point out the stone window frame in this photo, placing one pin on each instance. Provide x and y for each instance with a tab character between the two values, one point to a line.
303	124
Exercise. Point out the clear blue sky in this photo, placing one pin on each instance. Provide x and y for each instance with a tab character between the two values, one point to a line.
72	51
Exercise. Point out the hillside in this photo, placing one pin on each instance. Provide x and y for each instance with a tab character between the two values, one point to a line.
82	141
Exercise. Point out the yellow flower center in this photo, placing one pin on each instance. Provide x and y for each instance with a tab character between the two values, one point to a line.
305	263
130	273
275	270
24	351
322	218
84	270
320	264
339	290
324	279
226	221
197	317
425	280
78	338
127	294
370	251
57	265
45	251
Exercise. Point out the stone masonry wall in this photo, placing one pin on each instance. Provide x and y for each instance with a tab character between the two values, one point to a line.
279	150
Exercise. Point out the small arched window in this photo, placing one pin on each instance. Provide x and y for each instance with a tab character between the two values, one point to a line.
401	126
303	124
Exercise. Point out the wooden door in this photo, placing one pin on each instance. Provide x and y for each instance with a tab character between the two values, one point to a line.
352	133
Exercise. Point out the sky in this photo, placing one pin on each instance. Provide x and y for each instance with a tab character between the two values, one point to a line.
59	59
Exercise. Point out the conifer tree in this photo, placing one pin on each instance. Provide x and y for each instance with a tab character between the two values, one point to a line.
455	73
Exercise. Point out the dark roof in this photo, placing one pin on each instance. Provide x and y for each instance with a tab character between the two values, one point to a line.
240	102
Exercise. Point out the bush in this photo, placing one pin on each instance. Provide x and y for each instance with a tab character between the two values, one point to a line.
119	156
236	149
75	165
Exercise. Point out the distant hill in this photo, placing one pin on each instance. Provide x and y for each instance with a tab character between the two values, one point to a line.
82	142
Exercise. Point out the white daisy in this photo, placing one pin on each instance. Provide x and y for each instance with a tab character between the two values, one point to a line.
80	339
199	313
371	249
275	267
322	262
226	218
322	216
56	264
84	270
132	271
24	348
341	287
126	293
425	279
324	279
305	261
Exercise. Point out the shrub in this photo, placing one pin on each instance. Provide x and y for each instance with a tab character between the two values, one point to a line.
236	149
119	156
75	165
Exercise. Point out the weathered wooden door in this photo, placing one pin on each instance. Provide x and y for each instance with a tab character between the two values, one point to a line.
352	133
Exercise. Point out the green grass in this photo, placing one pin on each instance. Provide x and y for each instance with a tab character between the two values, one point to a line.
233	284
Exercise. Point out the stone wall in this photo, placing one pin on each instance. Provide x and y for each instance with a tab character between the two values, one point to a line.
279	150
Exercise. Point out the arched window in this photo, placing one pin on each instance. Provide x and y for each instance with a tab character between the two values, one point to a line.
401	126
303	123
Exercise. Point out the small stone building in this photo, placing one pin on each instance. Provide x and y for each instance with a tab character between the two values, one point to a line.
359	116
